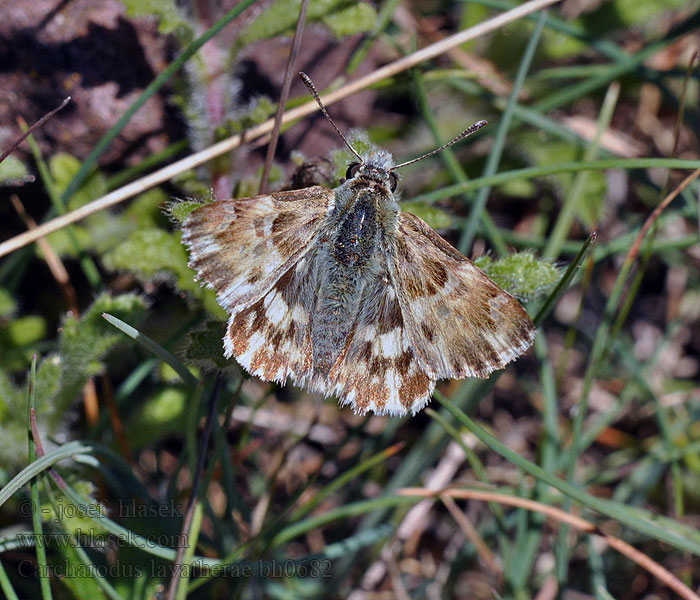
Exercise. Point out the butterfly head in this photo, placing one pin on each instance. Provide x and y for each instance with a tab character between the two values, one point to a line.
375	166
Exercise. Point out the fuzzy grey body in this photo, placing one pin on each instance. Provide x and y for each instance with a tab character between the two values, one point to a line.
352	257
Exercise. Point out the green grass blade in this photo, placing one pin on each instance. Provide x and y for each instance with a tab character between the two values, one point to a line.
343	479
456	172
68	450
156	349
565	218
494	159
192	537
352	509
88	566
6	584
37	525
564	282
554	169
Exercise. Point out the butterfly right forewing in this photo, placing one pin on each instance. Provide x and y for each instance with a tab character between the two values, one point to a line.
460	323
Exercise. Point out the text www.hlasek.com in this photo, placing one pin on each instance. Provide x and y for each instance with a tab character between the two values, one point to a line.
90	538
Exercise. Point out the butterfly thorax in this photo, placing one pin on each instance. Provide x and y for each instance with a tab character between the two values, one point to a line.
361	225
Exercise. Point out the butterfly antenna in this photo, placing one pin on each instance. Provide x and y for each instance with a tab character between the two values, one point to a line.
312	89
466	133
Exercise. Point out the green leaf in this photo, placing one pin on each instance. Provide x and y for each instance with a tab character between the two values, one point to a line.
281	17
146	210
83	583
153	254
163	412
170	18
13	451
645	12
8	305
179	210
431	214
358	18
12	170
521	274
256	112
62	244
556	45
63	169
72	517
591	203
23	331
82	345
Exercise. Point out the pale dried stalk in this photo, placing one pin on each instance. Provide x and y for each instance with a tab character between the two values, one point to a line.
472	535
194	160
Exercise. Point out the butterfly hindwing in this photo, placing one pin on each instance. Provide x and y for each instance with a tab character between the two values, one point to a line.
459	322
271	337
378	371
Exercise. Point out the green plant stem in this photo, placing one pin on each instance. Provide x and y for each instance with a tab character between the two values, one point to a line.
494	158
192	537
6	584
562	225
44	580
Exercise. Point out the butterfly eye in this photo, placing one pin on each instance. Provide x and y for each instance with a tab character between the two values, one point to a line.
352	170
393	181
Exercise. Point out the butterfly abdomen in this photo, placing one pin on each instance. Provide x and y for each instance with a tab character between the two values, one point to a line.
350	257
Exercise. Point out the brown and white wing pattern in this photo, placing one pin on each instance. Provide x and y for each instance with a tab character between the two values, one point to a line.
256	253
378	370
240	247
271	338
459	322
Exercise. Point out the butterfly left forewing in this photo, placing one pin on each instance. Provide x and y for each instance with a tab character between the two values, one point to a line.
240	247
459	322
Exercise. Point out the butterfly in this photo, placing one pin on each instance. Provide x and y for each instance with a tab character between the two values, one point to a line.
346	295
